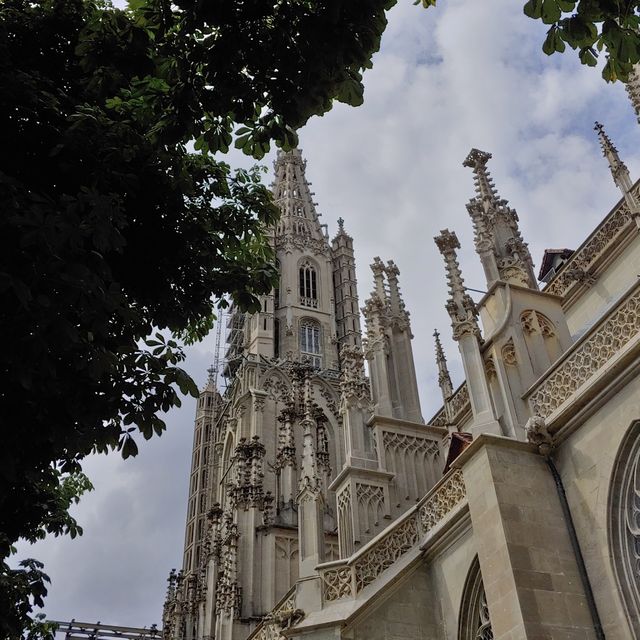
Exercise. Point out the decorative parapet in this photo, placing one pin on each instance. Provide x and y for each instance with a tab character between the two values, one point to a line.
348	578
458	404
437	505
606	236
282	616
578	366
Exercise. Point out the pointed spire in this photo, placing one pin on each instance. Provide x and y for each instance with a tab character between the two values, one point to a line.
294	198
633	89
444	379
619	172
618	168
396	303
504	254
462	309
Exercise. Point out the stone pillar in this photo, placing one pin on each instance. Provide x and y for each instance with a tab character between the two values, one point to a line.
529	570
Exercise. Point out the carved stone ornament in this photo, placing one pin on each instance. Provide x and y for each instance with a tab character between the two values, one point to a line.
538	434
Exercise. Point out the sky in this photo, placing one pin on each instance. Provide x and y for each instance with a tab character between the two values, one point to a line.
464	74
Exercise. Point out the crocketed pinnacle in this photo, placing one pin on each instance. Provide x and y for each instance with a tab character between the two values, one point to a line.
503	253
618	168
444	379
462	309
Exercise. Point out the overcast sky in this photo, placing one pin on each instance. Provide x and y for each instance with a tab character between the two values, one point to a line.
465	74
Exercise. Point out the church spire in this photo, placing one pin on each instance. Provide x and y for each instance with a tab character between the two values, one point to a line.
444	379
292	194
504	254
619	172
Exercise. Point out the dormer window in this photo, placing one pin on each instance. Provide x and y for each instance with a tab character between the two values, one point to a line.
308	285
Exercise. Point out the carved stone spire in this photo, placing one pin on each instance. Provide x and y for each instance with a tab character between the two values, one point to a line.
504	254
294	198
388	350
466	332
444	379
461	307
619	172
618	168
633	89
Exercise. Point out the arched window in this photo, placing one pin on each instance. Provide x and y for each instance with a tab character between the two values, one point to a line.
475	623
308	285
624	522
310	343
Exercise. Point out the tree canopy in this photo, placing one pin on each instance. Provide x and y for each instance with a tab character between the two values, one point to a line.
115	238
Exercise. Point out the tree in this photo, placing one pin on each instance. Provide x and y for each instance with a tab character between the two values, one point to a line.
590	27
114	238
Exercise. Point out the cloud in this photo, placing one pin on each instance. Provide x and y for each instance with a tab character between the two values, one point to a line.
464	74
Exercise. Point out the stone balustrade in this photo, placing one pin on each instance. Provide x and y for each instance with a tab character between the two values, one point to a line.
348	577
616	332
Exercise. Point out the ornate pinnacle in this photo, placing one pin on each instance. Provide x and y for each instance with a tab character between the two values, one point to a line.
462	309
618	168
340	224
378	277
444	379
619	172
486	190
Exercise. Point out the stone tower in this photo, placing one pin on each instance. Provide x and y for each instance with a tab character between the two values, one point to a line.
262	507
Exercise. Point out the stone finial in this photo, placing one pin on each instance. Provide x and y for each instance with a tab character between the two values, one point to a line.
462	309
485	188
378	278
538	434
619	172
340	224
444	379
618	168
503	253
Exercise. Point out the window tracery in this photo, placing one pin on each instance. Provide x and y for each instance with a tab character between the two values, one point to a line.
475	620
624	515
310	343
308	285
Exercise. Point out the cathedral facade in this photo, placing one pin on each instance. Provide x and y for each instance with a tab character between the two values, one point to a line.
323	505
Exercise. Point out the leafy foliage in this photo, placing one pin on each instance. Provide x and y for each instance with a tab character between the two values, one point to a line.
592	27
113	231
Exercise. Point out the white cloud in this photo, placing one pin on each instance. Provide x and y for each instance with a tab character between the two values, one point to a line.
464	74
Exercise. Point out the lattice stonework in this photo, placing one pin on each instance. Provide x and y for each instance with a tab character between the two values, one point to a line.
459	400
604	240
619	329
381	556
337	583
445	498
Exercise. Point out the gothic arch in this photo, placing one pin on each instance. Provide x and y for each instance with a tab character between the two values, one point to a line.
276	384
329	400
474	621
624	524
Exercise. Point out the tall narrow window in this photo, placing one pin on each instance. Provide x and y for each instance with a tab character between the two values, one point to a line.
475	623
624	513
308	285
310	343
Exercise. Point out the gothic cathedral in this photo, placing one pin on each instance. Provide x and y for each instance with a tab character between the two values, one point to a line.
323	506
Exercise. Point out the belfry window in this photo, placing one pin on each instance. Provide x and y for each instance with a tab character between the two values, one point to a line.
310	343
308	285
